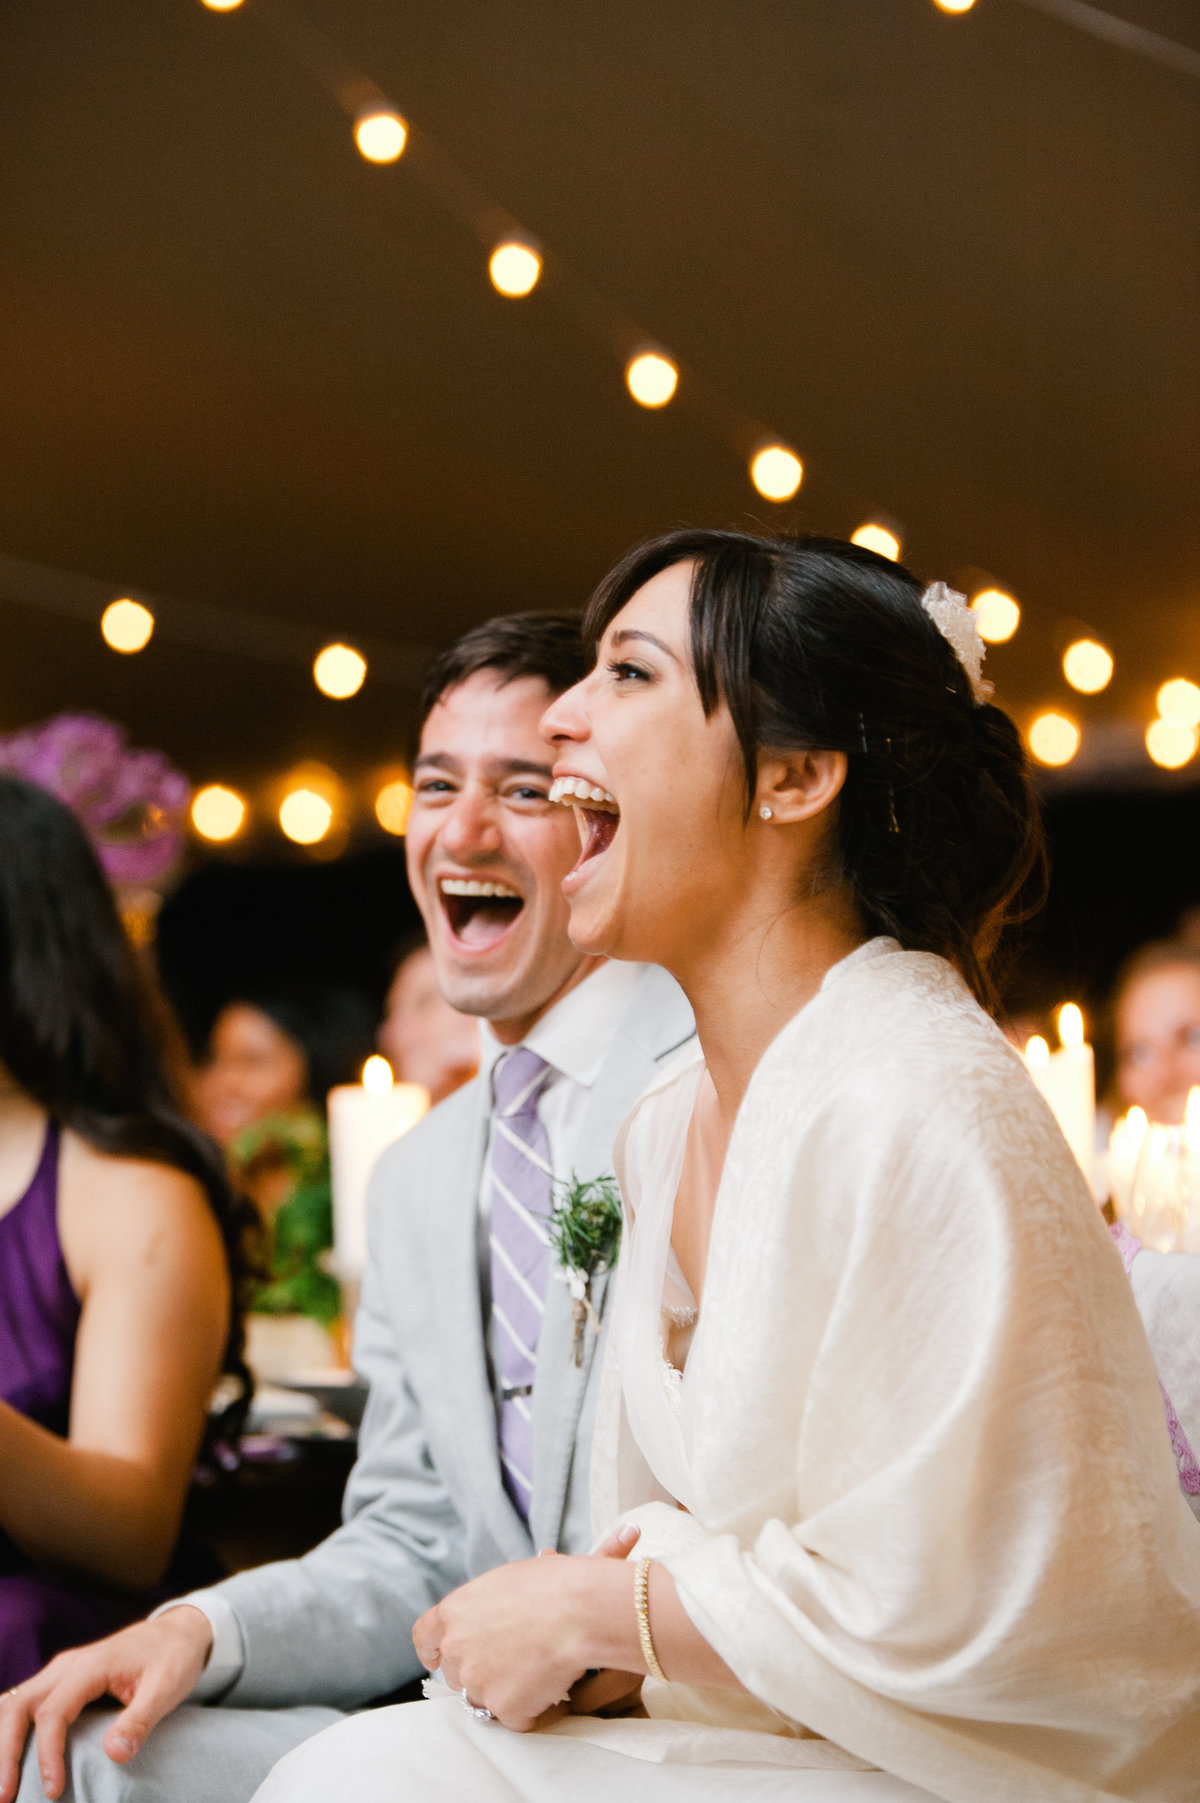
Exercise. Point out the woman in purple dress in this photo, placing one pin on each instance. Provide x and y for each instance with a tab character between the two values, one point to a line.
117	1255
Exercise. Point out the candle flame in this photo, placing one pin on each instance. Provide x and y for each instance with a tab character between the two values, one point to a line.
1135	1126
377	1076
1070	1025
1037	1052
1191	1119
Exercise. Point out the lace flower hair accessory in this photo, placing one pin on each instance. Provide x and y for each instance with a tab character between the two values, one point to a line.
957	624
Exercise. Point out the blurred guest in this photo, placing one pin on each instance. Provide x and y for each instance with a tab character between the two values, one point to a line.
272	1050
118	1262
422	1037
1156	1010
274	1055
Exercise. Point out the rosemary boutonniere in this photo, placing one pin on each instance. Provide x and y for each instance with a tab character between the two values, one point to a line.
585	1232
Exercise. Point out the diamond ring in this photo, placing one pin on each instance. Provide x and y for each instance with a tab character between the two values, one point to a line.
481	1715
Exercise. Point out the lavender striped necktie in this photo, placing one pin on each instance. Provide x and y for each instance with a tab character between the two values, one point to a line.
519	1193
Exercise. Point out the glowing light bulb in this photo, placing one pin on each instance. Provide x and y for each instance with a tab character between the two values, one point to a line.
217	812
651	379
338	671
221	6
514	267
1070	1025
1087	666
1135	1125
776	473
1170	743
126	625
997	615
954	6
1037	1052
1053	739
305	816
1179	700
381	136
877	538
392	806
377	1076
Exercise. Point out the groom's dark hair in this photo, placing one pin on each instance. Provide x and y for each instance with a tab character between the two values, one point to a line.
548	646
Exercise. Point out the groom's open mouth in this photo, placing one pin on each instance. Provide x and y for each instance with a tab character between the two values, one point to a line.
480	911
598	817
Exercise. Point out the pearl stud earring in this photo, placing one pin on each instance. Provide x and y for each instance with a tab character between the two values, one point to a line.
766	813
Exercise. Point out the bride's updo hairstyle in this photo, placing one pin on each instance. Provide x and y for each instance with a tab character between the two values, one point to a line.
814	644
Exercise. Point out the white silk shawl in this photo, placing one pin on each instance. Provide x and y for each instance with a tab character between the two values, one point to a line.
934	1513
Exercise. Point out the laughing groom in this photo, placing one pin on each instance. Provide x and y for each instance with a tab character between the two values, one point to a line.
474	1448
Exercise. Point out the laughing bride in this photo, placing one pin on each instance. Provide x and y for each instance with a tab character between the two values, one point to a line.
881	1418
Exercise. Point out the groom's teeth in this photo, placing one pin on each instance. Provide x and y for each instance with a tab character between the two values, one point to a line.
455	885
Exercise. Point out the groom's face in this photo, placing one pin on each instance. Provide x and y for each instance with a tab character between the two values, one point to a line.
487	852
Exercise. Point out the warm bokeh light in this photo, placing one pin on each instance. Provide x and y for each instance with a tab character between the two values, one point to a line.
776	473
652	379
1179	700
514	268
954	6
1087	666
126	625
1191	1120
392	805
221	6
217	812
1037	1052
997	615
1136	1122
339	671
381	136
377	1077
1070	1025
1170	743
305	816
1053	739
877	538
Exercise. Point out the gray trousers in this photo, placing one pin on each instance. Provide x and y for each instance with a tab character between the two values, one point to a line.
195	1755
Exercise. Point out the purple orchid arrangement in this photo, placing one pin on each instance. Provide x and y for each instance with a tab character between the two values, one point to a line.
133	803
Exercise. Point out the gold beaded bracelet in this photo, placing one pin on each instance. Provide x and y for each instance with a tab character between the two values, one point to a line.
641	1603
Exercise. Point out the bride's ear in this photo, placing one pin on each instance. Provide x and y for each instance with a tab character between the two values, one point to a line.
799	786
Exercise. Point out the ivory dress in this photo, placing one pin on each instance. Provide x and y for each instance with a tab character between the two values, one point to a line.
933	1520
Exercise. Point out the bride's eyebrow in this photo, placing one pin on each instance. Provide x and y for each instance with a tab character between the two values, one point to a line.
630	632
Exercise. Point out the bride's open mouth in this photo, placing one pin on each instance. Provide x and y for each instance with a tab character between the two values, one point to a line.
598	818
480	911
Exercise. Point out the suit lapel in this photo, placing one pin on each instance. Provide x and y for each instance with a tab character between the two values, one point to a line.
460	1329
656	1023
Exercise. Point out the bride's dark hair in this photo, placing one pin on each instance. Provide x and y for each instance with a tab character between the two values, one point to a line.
816	644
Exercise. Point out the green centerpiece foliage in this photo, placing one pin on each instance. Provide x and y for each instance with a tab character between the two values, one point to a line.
283	1163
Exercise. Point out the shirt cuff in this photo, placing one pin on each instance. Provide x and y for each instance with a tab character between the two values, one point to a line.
227	1658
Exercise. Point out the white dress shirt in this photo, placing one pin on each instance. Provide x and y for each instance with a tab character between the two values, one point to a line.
574	1038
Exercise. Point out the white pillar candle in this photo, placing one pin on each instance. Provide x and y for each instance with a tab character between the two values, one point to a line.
363	1119
1067	1079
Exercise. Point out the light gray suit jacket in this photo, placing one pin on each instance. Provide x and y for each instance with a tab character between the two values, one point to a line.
425	1507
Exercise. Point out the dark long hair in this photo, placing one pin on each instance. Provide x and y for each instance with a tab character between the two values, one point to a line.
78	1026
816	644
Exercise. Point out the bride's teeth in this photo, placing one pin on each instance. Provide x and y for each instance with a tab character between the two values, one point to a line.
578	789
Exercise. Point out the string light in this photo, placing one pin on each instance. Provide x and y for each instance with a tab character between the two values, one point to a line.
305	816
514	267
217	812
377	1075
877	538
1053	739
339	671
1087	666
652	379
381	136
392	806
221	6
954	6
1170	743
776	473
997	615
1179	700
126	625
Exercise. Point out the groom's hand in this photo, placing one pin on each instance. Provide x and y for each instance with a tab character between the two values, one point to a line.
150	1668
